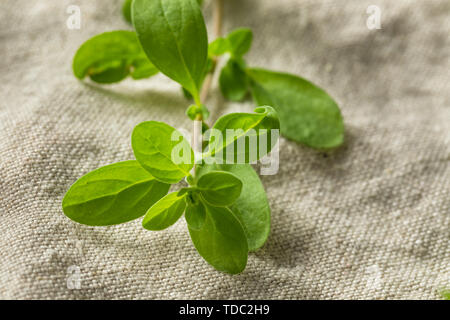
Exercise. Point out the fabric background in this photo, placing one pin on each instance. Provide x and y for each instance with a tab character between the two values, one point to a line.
370	220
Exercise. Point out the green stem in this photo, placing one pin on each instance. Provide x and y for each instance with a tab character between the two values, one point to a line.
197	134
218	22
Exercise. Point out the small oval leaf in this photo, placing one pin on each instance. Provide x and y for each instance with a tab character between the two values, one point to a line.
162	151
195	214
240	41
218	47
112	56
113	194
252	207
219	188
245	137
173	35
142	69
126	10
233	81
110	72
221	241
165	212
194	110
308	114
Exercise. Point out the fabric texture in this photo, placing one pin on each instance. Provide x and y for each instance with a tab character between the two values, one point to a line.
370	220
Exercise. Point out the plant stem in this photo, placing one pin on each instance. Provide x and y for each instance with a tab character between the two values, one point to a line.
218	22
197	134
218	18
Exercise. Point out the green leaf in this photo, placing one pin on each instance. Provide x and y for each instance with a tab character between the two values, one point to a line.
219	188
173	35
252	207
218	47
143	69
195	110
109	72
240	41
237	43
165	212
112	56
221	241
250	129
308	114
126	10
195	214
186	94
184	191
114	194
446	294
162	151
233	81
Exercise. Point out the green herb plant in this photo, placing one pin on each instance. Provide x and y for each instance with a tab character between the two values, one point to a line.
225	205
445	294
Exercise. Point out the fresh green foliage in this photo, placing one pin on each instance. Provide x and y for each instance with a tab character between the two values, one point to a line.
240	42
226	218
195	214
114	194
446	294
194	110
225	205
233	81
218	47
237	43
308	114
112	56
221	241
252	207
219	188
126	10
173	35
165	212
249	126
153	144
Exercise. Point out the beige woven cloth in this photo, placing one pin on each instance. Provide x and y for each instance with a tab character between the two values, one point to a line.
368	221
